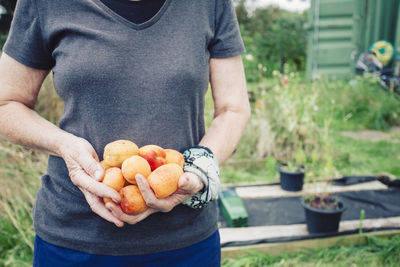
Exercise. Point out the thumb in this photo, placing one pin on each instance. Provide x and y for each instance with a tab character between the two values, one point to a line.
91	166
190	183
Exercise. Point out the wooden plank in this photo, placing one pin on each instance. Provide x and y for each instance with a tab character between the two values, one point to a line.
294	246
275	191
294	230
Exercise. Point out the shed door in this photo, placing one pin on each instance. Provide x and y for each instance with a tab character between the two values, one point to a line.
331	38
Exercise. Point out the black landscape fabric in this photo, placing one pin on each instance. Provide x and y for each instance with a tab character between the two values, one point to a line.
283	211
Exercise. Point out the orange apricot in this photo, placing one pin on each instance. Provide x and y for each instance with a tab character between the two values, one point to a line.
164	180
174	156
104	165
114	179
132	201
135	165
116	152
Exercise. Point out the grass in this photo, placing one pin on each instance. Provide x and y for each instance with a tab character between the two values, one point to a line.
350	157
360	157
376	252
20	172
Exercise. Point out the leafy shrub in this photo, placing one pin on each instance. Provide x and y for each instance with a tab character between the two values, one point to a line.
20	179
284	122
361	103
293	120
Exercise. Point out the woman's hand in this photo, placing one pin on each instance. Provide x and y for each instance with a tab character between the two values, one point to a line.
188	185
86	173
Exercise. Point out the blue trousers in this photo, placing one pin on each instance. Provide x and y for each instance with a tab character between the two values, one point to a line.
204	253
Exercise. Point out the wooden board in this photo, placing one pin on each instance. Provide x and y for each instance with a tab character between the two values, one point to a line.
293	246
275	191
294	230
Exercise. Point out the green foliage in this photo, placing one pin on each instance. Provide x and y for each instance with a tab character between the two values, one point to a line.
274	38
5	19
284	123
3	38
298	122
360	103
376	252
361	157
270	166
20	172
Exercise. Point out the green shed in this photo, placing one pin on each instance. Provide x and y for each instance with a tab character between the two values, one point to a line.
339	30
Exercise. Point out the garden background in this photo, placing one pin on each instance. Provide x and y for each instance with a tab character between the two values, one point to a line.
335	127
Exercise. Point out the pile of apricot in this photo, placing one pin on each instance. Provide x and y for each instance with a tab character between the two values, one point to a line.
123	160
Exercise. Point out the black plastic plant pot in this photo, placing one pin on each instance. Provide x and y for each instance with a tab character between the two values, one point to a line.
291	181
323	221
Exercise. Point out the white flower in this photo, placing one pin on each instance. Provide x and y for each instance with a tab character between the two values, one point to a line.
249	57
316	108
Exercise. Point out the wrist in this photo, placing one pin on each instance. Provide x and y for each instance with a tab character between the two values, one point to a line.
202	163
64	142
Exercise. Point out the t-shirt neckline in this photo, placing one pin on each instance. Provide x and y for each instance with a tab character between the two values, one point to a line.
136	26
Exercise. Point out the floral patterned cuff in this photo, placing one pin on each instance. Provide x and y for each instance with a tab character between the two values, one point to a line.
202	162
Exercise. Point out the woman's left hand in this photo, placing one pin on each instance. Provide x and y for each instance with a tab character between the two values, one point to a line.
188	185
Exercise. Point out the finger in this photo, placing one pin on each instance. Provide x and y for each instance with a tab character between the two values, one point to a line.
190	183
174	200
131	219
89	162
96	188
147	193
164	204
97	206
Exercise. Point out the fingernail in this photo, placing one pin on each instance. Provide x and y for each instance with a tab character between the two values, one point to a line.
97	175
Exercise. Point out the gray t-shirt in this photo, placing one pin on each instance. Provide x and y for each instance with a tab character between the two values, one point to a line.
119	80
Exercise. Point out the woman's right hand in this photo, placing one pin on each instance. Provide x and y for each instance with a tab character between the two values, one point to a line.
86	173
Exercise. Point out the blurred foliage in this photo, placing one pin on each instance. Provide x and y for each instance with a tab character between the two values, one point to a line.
273	38
299	122
5	19
378	251
360	103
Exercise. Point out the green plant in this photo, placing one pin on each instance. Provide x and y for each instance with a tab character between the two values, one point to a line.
378	251
360	103
296	164
322	201
288	113
20	172
362	217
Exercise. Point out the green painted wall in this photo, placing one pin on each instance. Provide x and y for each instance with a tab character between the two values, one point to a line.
339	30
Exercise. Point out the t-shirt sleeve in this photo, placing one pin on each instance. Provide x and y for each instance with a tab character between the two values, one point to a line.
25	42
227	41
